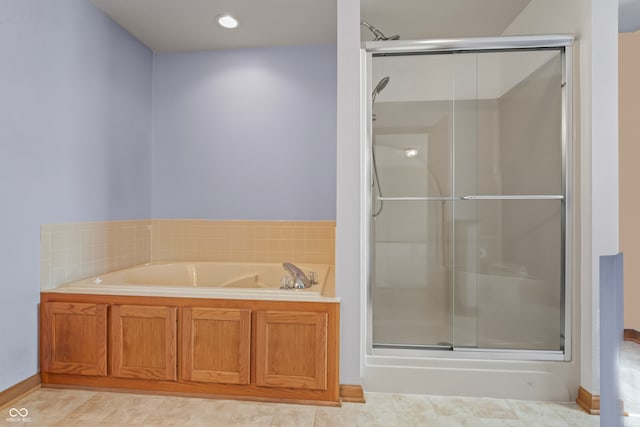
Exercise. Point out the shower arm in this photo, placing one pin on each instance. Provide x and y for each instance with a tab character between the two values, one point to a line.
377	33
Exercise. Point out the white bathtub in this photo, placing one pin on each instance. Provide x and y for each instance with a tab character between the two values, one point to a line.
229	280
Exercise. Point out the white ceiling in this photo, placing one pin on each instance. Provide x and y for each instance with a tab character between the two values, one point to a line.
420	19
187	25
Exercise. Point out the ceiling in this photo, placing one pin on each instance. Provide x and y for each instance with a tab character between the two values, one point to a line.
189	25
440	19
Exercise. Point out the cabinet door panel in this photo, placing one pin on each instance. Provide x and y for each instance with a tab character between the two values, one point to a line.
143	342
216	344
74	338
291	349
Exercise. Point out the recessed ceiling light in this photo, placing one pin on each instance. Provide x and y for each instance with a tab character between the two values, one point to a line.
410	152
227	21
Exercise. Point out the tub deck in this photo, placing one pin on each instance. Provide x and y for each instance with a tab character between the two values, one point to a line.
216	280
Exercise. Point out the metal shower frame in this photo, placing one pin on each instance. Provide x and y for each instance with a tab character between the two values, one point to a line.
560	42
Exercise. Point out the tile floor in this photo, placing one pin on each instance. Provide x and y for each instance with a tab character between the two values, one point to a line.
630	380
56	407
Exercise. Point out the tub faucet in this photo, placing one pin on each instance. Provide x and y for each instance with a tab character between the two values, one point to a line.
300	280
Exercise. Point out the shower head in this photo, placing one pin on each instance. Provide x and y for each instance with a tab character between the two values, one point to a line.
379	87
379	36
393	37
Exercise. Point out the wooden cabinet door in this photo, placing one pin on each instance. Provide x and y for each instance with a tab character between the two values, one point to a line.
74	338
216	345
291	349
143	342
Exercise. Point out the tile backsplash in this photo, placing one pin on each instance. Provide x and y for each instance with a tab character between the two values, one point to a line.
248	241
74	251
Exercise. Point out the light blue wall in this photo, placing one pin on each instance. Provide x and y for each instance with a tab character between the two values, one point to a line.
245	134
75	97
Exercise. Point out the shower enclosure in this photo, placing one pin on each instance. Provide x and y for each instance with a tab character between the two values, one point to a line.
466	203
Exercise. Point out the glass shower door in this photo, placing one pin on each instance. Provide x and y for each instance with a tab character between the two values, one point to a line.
412	158
509	200
468	203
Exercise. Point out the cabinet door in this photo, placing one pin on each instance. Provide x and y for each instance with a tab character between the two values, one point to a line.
216	345
291	349
143	342
74	338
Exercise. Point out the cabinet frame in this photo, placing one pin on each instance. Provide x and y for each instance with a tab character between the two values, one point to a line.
49	345
241	354
275	366
117	342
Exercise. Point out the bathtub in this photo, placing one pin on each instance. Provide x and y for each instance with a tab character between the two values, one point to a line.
227	280
218	329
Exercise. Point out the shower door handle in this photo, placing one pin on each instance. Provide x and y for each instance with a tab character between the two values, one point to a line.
415	199
444	198
512	197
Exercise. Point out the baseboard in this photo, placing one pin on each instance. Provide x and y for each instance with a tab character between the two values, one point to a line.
19	390
632	335
351	393
588	401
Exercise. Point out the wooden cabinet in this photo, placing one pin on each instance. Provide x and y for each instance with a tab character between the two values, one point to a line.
253	349
74	338
143	342
291	349
216	345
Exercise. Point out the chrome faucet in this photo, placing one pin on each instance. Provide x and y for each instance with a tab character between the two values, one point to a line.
300	280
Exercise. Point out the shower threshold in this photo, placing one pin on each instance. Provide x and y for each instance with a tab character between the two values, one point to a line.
445	350
439	346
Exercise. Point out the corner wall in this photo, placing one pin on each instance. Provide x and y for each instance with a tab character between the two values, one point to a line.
74	144
629	106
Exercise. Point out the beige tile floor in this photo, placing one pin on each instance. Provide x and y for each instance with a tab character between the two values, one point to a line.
629	369
57	407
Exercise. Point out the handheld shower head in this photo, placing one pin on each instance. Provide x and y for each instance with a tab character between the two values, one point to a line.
379	87
379	36
376	180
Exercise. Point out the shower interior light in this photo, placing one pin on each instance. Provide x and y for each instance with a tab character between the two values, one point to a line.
410	153
227	21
